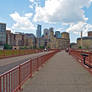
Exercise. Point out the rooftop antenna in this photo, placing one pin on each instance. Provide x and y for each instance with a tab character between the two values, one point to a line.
83	28
81	37
38	3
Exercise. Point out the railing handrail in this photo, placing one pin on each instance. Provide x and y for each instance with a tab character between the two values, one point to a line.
21	73
85	61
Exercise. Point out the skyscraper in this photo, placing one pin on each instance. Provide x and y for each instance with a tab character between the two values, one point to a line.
38	31
46	32
2	34
51	32
57	34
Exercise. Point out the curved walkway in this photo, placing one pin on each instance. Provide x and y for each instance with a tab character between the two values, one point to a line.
61	74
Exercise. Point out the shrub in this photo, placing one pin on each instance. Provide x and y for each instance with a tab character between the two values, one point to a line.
6	46
80	47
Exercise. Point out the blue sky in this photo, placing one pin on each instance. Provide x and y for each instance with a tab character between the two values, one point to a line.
64	15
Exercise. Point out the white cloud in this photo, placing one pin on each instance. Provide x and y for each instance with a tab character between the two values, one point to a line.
81	26
8	28
31	0
67	12
22	23
63	11
34	4
60	29
31	6
28	15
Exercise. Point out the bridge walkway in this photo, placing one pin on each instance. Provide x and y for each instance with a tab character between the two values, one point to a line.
61	74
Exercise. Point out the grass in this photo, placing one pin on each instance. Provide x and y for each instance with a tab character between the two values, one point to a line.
6	53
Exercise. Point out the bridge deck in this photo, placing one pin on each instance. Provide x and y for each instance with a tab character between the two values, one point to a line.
61	74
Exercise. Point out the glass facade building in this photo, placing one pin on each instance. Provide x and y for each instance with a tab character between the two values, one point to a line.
38	32
2	34
57	34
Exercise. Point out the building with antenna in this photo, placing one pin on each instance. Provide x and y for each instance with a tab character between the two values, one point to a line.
85	42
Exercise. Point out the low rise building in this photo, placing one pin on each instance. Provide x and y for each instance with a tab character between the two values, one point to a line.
8	37
33	39
85	42
18	40
74	46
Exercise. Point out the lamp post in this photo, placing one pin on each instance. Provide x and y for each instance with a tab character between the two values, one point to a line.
81	40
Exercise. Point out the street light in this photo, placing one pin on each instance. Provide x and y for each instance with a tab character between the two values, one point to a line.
83	28
81	40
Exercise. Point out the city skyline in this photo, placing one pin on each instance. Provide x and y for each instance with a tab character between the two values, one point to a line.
49	39
23	16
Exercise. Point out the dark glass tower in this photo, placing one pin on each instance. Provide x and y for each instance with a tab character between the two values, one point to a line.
57	34
38	31
2	34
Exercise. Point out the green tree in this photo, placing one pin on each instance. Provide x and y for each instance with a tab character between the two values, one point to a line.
6	46
80	47
41	47
48	47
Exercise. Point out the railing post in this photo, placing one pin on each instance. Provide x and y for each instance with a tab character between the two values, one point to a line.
89	58
37	63
69	51
19	77
31	68
0	85
4	53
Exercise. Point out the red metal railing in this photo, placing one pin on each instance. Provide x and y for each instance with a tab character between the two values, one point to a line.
77	54
12	80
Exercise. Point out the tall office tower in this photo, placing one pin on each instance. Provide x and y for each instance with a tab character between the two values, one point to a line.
2	34
57	34
46	32
51	30
38	31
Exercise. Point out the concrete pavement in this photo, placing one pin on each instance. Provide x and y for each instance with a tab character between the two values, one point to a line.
61	74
